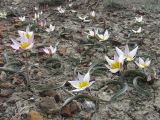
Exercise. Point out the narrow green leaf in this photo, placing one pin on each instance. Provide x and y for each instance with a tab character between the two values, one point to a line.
138	88
124	88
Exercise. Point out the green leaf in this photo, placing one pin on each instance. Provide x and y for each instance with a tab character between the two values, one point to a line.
138	88
121	91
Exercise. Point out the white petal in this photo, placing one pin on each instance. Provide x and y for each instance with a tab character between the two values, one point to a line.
31	40
79	89
87	77
30	46
106	33
90	83
21	32
148	62
141	61
15	45
139	30
48	30
109	60
119	51
133	52
106	37
114	70
137	63
101	37
121	59
51	27
134	31
116	56
75	84
96	31
46	50
80	77
91	33
51	48
126	51
86	20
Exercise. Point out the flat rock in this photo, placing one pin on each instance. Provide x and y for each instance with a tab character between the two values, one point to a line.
48	104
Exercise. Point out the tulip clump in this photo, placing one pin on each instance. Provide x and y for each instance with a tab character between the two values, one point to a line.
25	41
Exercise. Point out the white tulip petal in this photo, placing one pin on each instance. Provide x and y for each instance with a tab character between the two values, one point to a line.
51	48
87	77
114	70
126	51
109	60
100	36
30	46
106	33
137	63
80	77
79	89
75	84
133	52
119	51
91	83
15	44
141	61
121	59
46	50
116	57
148	62
108	66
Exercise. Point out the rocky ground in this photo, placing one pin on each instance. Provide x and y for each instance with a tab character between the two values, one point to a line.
42	97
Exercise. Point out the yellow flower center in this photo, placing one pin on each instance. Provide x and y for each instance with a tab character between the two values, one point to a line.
28	35
116	65
83	84
129	58
142	65
24	45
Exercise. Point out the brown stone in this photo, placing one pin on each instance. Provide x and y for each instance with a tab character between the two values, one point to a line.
49	105
33	115
50	93
70	109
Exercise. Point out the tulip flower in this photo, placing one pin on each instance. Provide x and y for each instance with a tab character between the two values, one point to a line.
50	50
3	15
82	82
28	35
93	14
91	33
103	37
70	5
36	8
23	45
139	19
143	64
116	64
138	31
50	29
36	16
25	41
128	55
22	18
73	11
60	9
84	18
